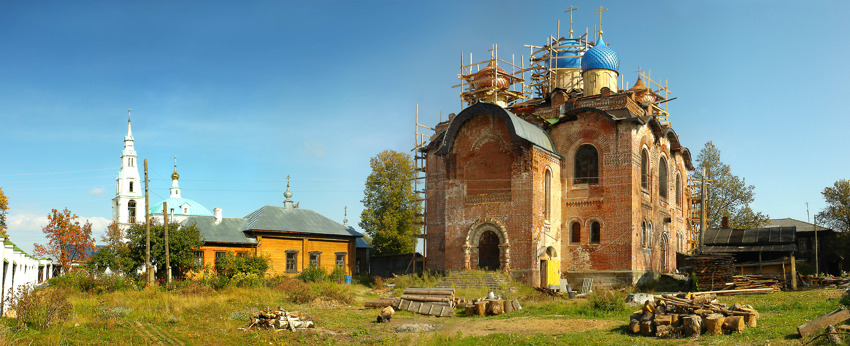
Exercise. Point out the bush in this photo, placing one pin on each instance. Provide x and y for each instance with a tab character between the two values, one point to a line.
336	291
84	282
337	275
608	301
230	265
39	309
300	292
246	280
312	274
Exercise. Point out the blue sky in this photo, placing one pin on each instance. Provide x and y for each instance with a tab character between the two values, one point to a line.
246	94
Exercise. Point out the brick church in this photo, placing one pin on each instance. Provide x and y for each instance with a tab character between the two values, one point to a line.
562	173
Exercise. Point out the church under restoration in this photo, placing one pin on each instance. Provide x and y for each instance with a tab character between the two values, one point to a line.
582	178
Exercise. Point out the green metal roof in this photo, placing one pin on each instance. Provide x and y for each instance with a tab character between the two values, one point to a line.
195	208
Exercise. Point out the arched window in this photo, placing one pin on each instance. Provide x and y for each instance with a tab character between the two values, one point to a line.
131	186
595	230
662	178
586	165
547	188
647	234
678	189
131	211
575	233
644	169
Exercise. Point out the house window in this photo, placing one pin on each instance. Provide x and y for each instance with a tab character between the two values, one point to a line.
662	178
678	189
575	233
131	186
199	259
547	188
314	258
219	255
644	170
586	165
131	211
291	261
595	230
340	259
242	254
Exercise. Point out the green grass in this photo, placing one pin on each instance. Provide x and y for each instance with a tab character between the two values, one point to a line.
213	318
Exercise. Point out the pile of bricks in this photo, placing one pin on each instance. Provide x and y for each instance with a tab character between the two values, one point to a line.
690	315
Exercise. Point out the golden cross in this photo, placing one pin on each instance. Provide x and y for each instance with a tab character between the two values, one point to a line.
175	163
128	114
287	181
570	11
600	18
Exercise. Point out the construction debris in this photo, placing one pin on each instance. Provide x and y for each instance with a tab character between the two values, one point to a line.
756	281
279	319
688	314
818	324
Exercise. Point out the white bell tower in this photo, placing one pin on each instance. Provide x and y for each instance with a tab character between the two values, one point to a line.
128	206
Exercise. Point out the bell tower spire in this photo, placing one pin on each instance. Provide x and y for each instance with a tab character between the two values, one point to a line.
128	205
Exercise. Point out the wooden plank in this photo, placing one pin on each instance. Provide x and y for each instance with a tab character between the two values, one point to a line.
816	325
414	306
404	304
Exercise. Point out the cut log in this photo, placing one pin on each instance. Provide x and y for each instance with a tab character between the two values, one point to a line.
421	298
663	331
646	328
734	324
481	308
751	320
516	305
675	321
820	323
634	326
509	306
470	310
494	307
691	325
663	320
714	324
430	291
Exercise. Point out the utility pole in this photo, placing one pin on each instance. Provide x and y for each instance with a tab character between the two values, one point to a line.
703	201
167	252
148	271
815	230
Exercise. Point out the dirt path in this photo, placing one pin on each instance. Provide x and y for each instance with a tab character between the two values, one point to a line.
529	326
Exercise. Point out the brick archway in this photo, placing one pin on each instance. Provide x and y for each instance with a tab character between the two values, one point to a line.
473	238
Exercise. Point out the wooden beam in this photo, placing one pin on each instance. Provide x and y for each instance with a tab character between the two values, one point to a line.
820	323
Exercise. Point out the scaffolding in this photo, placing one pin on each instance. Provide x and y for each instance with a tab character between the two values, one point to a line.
420	141
655	107
546	73
491	83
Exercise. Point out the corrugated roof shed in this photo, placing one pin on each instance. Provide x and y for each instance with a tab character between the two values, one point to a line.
767	239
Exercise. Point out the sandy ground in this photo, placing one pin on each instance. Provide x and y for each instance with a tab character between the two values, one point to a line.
530	325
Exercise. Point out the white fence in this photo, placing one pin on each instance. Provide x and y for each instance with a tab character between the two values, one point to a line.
20	269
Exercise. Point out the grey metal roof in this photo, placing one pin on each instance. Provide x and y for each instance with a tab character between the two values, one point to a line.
519	128
229	230
801	226
750	248
749	237
297	220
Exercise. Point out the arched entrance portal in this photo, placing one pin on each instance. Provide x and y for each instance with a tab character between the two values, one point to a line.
488	251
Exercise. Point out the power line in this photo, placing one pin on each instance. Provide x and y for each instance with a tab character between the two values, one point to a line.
65	172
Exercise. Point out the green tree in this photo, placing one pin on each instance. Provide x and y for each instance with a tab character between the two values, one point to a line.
182	242
728	195
390	204
4	207
836	215
115	254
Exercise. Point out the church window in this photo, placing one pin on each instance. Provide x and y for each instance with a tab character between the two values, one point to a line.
131	186
678	189
291	261
647	234
547	188
340	259
662	178
314	258
595	230
586	165
199	259
575	233
644	170
131	211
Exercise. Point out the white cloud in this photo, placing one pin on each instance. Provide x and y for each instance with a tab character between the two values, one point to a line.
313	148
25	228
96	191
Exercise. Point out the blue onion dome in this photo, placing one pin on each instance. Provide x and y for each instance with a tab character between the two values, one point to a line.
569	55
600	57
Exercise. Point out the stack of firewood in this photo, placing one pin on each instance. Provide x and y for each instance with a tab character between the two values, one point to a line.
756	281
690	315
279	319
491	305
712	272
